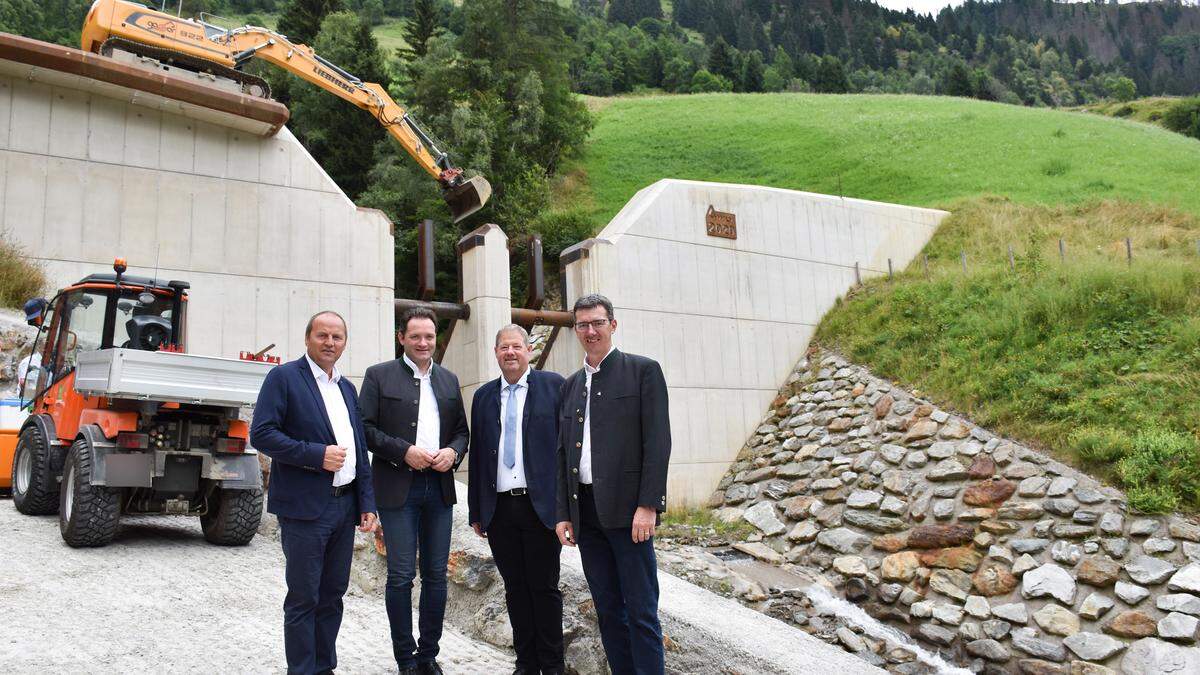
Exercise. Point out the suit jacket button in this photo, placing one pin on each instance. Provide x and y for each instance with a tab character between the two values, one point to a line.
578	445
574	496
416	402
574	470
414	424
580	419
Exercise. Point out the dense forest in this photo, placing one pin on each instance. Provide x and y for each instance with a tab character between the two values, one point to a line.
495	79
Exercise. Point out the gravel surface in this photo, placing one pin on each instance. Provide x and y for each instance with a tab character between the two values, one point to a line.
161	599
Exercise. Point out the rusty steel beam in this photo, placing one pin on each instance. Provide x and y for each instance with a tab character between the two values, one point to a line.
542	317
444	310
425	273
536	297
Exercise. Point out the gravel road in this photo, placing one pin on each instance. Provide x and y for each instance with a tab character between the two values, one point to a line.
160	599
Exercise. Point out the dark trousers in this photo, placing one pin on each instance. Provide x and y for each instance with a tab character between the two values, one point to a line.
526	554
318	556
422	524
623	579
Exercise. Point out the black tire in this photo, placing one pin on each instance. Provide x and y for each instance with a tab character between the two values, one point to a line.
232	517
35	487
88	514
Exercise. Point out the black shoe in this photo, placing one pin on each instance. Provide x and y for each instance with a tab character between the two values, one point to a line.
429	668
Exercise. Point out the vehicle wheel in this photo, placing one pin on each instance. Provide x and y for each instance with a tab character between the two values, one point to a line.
34	488
88	514
232	517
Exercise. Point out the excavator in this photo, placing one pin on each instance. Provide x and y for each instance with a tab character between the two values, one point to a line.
114	26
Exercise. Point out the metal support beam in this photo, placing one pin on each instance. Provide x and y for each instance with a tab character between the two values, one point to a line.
452	311
542	317
425	272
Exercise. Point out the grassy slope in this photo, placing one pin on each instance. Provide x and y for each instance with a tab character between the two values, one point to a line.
1093	360
1149	110
922	151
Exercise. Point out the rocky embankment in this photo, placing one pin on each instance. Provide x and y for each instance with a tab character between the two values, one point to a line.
996	555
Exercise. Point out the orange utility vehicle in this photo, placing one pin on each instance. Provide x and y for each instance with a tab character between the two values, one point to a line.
123	421
116	27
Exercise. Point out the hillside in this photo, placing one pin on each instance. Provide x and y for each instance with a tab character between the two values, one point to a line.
1090	357
915	150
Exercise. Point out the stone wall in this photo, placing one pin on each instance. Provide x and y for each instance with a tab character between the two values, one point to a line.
1001	557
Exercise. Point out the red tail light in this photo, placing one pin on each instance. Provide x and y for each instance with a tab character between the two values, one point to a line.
133	441
231	445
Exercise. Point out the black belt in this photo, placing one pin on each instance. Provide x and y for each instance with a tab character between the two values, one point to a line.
339	490
515	492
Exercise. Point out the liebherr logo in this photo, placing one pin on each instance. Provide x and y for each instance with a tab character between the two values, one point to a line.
332	78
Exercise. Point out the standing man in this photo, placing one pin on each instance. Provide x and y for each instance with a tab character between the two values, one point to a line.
511	493
417	431
614	445
307	421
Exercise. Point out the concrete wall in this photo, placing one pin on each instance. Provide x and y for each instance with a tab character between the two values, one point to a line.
729	318
257	227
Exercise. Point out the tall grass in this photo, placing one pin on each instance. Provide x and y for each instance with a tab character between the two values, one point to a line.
1081	357
20	279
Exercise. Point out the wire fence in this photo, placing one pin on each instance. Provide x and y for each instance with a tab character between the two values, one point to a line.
1011	256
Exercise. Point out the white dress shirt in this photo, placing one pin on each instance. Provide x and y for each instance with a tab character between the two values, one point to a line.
429	424
339	419
585	457
506	478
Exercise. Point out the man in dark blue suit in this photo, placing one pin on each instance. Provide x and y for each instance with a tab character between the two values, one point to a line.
511	493
307	421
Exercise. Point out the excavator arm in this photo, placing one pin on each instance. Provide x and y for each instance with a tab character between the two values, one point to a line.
131	24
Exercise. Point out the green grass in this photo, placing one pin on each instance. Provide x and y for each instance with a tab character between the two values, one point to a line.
1089	358
915	150
390	35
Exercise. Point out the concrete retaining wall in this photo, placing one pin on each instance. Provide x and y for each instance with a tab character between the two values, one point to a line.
265	237
729	318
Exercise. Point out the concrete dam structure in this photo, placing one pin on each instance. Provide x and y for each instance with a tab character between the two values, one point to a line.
100	159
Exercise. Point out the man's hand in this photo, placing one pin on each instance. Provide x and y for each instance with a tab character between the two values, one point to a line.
417	458
478	530
566	533
643	524
367	522
444	459
335	457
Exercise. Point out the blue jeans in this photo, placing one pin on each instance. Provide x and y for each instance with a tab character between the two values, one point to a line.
317	554
423	524
623	579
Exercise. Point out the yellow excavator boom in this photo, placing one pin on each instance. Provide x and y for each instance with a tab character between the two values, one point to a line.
131	26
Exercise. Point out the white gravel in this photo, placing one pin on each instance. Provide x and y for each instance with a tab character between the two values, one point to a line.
160	599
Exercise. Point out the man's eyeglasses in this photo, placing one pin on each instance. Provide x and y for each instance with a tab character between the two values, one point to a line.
582	326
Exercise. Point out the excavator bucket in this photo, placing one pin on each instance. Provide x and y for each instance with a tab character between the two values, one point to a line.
467	197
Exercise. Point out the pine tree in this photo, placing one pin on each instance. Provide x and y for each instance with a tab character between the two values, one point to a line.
421	27
752	73
301	20
720	59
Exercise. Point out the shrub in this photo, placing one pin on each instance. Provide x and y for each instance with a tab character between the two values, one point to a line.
1162	471
1184	117
20	279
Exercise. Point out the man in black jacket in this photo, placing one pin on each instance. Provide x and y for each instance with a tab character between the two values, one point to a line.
512	492
614	445
417	431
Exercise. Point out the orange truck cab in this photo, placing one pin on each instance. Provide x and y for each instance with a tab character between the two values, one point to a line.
122	421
